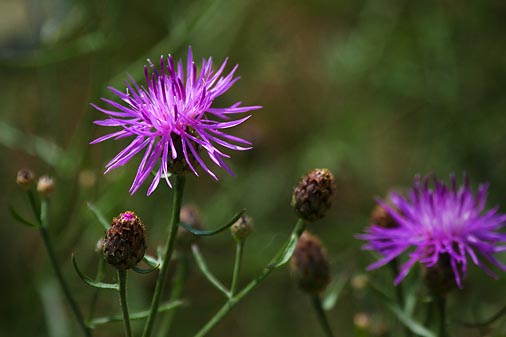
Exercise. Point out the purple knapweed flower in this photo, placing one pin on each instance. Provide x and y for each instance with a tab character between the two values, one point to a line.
171	120
447	222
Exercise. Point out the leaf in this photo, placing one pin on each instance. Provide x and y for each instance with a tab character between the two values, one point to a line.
92	282
412	324
332	294
136	315
99	215
213	231
20	218
145	271
151	261
286	253
201	263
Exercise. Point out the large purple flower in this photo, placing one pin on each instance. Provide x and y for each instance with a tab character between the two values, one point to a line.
171	119
440	222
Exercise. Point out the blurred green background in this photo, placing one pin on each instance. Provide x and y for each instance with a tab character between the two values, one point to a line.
377	91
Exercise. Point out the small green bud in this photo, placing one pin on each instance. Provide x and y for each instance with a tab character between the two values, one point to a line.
309	264
45	186
312	197
125	241
189	215
25	178
242	228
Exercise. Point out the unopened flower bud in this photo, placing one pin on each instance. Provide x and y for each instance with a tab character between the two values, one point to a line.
440	278
309	264
362	321
359	282
45	186
312	197
242	228
25	178
125	242
381	217
189	215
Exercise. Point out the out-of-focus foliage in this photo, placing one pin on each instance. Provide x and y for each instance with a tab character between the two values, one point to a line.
375	90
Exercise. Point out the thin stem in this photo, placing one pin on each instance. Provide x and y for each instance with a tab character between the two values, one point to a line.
239	249
441	304
233	300
399	291
176	292
322	318
171	236
56	267
122	278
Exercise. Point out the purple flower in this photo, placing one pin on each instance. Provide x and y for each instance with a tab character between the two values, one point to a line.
443	221
171	119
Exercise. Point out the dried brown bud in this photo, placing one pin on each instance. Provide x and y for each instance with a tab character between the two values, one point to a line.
45	186
312	197
242	228
380	217
25	178
125	242
439	278
189	215
309	264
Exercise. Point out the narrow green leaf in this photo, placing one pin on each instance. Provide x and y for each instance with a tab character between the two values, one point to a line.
334	291
145	271
136	315
213	231
20	218
411	323
286	253
91	282
151	261
99	215
207	273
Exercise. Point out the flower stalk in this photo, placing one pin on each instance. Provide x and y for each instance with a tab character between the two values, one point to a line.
56	267
239	249
171	236
279	260
122	279
320	313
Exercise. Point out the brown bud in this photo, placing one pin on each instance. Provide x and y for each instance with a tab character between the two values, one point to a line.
45	186
125	242
309	264
25	178
381	217
312	197
189	215
439	278
242	228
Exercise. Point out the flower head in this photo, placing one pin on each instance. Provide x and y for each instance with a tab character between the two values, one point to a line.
439	224
171	119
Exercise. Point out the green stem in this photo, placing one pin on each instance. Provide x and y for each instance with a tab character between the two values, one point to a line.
239	249
441	304
322	318
176	292
171	236
57	270
233	300
399	291
122	278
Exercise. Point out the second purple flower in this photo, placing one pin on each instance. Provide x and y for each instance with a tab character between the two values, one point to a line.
172	121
